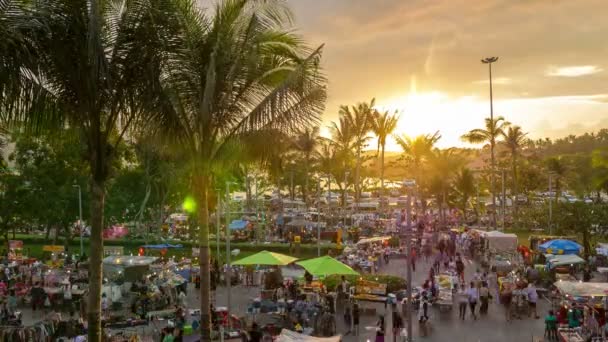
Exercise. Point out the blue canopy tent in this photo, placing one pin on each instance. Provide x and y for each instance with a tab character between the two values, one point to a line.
560	246
162	246
238	224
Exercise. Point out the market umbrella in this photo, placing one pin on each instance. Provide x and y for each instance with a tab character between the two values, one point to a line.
326	265
266	258
560	246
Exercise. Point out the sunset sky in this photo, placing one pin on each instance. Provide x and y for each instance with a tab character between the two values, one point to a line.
423	57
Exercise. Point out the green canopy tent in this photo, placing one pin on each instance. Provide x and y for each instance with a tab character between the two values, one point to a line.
266	258
325	266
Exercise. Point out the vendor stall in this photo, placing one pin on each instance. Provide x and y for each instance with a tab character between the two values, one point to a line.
560	246
445	284
292	336
582	300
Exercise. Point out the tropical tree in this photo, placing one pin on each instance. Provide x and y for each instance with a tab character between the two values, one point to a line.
306	143
238	75
383	125
490	133
443	164
464	184
92	65
514	139
558	169
417	152
359	119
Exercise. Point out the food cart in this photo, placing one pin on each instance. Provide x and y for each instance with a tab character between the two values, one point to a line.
445	283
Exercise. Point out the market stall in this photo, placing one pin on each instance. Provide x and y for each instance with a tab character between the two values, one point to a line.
582	300
292	336
560	246
445	284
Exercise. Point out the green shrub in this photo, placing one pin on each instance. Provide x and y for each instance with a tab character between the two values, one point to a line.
393	283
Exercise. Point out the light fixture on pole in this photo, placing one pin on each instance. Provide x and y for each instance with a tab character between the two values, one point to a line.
489	61
80	217
229	267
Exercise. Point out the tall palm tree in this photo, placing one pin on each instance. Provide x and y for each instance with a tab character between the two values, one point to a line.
240	72
383	125
417	152
492	131
443	164
92	65
306	143
359	118
464	184
514	139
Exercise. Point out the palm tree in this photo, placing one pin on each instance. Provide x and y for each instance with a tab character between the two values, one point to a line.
557	167
92	66
443	164
306	143
417	152
492	131
514	139
383	125
359	118
237	74
464	184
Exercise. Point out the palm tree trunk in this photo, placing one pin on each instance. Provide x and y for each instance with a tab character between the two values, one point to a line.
382	194
202	182
96	251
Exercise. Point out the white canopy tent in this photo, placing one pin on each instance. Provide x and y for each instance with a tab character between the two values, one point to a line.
292	336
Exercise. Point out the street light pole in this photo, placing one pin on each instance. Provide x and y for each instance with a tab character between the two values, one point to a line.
318	218
550	204
80	217
504	200
218	214
345	196
408	248
489	61
229	268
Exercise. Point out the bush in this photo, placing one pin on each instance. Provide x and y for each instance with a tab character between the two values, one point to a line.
393	283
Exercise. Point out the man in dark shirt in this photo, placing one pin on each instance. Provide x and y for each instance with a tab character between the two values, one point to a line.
255	335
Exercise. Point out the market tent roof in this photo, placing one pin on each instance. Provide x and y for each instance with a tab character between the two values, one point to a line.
578	289
560	246
373	239
292	336
326	265
266	258
129	260
561	260
238	224
162	246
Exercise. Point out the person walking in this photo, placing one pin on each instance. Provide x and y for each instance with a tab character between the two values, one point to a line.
551	326
397	323
463	301
484	298
380	329
506	296
356	319
473	296
413	259
532	299
460	269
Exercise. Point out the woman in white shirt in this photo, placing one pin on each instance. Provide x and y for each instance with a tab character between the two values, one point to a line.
473	297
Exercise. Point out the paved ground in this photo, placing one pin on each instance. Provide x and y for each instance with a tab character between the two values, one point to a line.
446	326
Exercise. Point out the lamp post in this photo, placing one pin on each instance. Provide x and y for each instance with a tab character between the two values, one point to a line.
504	199
550	204
218	214
80	217
319	218
291	188
346	173
229	268
489	61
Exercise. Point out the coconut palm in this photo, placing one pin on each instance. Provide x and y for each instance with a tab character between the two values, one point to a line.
359	118
306	143
443	164
492	131
92	65
417	152
383	126
237	74
514	139
464	184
